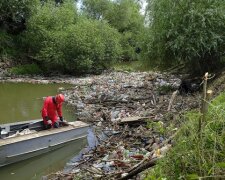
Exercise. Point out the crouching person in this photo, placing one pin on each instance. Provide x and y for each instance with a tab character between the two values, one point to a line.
52	110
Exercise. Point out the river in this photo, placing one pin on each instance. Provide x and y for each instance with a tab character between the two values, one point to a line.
22	102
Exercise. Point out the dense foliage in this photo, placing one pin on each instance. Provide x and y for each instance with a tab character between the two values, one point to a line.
13	14
61	41
58	36
186	31
123	15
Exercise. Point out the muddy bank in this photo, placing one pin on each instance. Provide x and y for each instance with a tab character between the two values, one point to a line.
137	111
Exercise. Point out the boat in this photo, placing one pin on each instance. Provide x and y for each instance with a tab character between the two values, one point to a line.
23	140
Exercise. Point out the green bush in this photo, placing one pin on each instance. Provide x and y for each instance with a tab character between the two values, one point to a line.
9	50
27	69
66	43
192	157
5	43
91	45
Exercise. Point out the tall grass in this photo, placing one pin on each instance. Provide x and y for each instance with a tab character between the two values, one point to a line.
197	158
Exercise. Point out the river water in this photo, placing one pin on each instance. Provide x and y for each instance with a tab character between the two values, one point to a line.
22	102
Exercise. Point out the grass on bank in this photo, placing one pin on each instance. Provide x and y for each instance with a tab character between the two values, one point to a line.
27	69
192	158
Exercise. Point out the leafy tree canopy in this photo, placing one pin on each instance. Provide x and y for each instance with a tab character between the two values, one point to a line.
124	15
13	14
96	9
186	31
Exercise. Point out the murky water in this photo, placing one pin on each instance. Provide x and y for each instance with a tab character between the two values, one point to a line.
39	166
22	102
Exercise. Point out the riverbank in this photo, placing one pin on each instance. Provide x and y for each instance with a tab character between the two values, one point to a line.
140	109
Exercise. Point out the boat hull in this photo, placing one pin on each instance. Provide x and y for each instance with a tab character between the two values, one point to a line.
19	148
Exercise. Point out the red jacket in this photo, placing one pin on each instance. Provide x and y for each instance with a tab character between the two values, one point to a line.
51	109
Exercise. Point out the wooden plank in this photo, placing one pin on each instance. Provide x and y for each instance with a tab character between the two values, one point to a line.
132	119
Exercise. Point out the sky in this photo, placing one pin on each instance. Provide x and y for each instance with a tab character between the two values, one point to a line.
144	4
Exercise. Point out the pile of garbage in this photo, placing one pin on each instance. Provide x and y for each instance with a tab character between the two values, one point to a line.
121	155
135	111
117	95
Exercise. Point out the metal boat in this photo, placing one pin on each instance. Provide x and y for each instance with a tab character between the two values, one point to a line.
23	140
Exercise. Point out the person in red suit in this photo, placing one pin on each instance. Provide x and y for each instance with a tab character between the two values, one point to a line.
52	110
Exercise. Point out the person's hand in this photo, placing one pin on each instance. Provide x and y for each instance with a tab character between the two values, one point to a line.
61	118
49	122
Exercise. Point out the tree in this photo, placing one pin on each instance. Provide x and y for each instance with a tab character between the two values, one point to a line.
187	31
62	41
45	33
123	15
96	9
91	46
127	19
13	14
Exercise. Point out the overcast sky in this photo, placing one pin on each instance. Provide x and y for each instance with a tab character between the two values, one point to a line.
144	4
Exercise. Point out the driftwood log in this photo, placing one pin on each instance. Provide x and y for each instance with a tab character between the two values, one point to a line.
141	168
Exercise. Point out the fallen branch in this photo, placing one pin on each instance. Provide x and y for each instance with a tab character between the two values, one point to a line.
141	168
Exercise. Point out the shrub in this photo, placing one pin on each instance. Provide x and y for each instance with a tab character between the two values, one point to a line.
91	45
66	43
